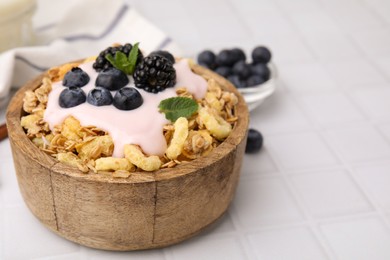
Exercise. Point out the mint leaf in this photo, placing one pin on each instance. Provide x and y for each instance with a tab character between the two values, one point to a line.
121	58
111	59
133	55
176	107
124	63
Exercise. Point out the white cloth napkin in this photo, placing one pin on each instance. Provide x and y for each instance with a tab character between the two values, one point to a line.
88	27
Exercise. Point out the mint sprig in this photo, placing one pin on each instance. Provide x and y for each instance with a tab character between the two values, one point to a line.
123	62
176	107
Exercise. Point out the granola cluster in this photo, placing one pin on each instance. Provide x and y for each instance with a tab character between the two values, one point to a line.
90	149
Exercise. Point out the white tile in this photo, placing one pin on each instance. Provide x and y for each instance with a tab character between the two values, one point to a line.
354	72
359	239
300	151
263	202
207	248
383	64
286	244
306	78
355	17
373	42
258	164
330	45
281	46
5	150
376	180
253	7
9	189
315	22
385	130
330	108
330	193
93	254
359	143
222	226
74	256
226	28
374	101
268	23
299	6
380	7
2	256
279	114
25	237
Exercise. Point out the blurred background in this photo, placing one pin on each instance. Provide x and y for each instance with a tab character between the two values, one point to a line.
319	187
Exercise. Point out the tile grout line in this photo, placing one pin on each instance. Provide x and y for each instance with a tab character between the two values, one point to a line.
311	221
314	223
320	131
374	12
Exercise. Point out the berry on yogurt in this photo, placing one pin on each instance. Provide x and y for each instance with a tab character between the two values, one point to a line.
99	96
112	79
127	99
71	97
76	77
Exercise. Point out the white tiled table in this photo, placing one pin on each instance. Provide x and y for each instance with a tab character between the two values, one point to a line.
320	188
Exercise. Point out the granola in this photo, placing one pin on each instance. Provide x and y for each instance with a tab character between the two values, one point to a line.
90	149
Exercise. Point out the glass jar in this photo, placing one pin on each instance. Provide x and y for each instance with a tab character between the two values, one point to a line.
16	23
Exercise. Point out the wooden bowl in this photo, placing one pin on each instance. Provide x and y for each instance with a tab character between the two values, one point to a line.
146	210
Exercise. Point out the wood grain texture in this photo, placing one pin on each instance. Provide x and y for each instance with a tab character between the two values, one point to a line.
146	210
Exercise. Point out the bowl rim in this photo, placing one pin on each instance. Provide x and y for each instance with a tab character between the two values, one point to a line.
19	138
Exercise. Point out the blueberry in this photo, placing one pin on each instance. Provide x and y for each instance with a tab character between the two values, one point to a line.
254	141
128	99
261	70
224	71
242	69
71	97
261	55
225	58
76	77
238	54
207	58
254	80
99	96
164	54
112	79
236	81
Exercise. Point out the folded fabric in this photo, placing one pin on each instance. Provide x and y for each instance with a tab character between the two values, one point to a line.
87	28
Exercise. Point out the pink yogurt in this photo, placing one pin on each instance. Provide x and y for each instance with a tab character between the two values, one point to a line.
141	126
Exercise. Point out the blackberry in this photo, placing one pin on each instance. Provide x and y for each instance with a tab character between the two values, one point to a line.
164	54
102	63
154	74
